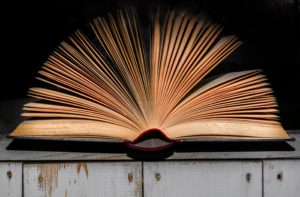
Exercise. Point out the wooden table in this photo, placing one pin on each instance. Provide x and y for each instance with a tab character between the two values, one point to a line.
223	173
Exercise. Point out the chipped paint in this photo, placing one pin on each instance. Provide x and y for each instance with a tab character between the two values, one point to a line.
48	177
60	179
84	166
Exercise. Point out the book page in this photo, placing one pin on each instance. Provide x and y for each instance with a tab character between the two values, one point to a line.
219	127
105	84
72	128
236	96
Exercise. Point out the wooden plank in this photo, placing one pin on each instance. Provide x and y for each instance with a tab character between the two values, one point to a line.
10	179
190	178
83	179
281	178
23	155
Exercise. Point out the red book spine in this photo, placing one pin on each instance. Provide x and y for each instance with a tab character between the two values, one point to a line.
148	134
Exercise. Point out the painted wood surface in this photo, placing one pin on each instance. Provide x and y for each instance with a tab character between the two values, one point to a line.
279	178
10	179
83	179
282	178
207	179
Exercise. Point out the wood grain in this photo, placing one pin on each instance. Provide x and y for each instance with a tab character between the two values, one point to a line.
83	179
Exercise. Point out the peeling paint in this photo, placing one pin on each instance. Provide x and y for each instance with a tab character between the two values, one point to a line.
84	166
78	178
48	176
66	165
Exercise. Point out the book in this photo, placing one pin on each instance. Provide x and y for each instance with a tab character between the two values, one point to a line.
119	82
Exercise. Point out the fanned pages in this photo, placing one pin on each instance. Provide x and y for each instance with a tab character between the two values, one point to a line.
114	84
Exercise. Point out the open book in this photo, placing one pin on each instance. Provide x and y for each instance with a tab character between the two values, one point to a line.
118	84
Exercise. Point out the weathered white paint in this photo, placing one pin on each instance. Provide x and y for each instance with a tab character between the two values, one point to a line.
207	179
83	179
10	179
281	178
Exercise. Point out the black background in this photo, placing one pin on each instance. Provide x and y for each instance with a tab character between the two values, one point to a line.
269	30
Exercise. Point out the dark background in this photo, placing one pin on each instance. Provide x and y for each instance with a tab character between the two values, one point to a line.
269	30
